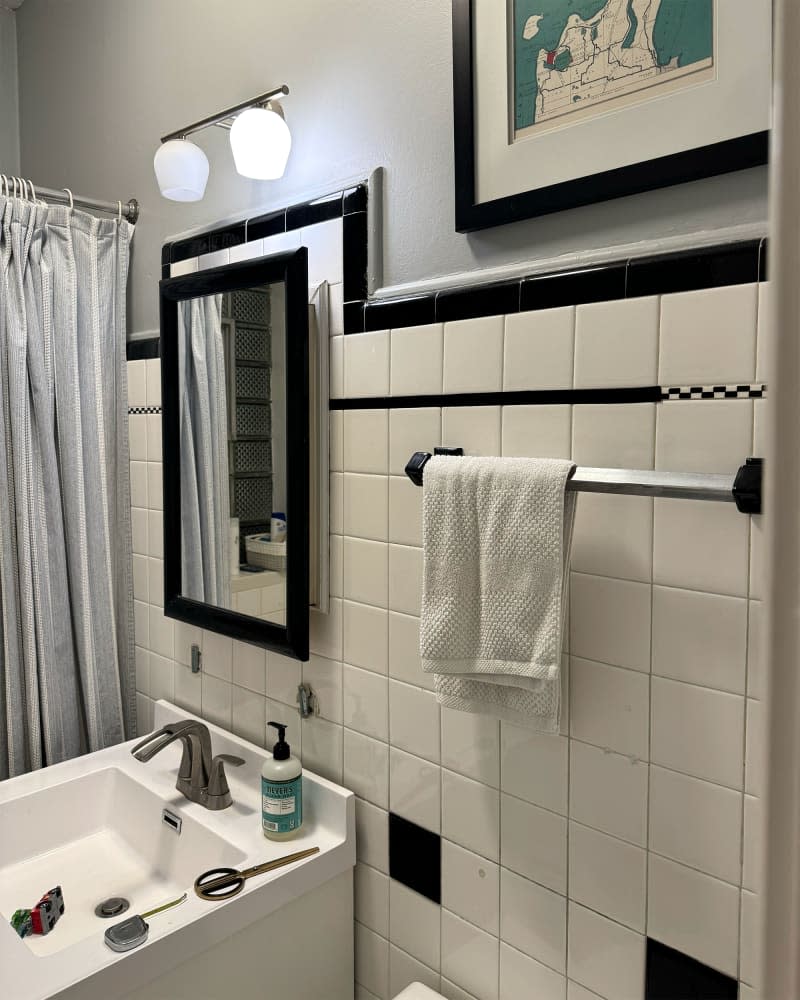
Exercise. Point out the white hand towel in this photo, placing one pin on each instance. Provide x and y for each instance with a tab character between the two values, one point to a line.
497	534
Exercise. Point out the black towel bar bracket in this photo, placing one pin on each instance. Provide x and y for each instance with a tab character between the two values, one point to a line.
745	489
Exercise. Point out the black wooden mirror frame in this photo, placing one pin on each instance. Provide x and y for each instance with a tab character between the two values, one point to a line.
292	270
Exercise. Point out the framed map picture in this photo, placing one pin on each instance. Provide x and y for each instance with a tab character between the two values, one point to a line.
560	103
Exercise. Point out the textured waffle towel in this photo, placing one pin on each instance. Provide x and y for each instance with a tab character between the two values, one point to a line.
497	534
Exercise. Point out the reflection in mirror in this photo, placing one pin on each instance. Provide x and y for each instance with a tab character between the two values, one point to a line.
232	413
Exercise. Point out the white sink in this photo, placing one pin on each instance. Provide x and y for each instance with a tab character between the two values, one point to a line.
98	836
94	826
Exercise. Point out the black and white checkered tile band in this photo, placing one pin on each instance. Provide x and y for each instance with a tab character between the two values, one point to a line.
753	391
133	410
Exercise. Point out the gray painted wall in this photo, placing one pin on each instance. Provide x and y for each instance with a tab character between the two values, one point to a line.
9	104
101	80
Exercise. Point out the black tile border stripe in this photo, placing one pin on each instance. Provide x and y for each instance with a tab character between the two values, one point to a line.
552	397
136	410
143	350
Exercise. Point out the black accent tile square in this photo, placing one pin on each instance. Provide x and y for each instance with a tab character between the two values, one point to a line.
193	246
671	975
312	212
224	239
415	857
140	350
572	288
165	270
165	254
391	314
735	264
354	199
353	317
354	256
266	225
481	300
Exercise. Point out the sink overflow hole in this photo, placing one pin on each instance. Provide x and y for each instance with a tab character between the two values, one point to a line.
170	819
111	907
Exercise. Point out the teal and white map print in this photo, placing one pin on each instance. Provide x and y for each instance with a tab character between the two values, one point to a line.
577	58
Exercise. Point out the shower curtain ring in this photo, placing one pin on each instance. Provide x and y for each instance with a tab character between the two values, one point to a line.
119	212
15	186
71	200
3	185
33	191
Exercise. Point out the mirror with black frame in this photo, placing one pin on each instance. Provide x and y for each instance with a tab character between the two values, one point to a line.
235	390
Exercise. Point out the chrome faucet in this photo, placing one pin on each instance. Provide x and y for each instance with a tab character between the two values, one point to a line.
201	776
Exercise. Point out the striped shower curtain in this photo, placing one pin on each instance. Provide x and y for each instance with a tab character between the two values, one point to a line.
66	596
205	503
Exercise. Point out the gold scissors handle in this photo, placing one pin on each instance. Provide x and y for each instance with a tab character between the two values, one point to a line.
212	885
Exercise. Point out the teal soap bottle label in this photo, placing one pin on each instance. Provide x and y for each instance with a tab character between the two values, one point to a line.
281	805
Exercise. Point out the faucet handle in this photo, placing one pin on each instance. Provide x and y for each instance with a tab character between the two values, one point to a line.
219	793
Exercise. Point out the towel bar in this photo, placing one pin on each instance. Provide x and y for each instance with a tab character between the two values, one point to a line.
744	489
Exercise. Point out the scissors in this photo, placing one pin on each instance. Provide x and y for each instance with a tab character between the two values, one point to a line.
224	883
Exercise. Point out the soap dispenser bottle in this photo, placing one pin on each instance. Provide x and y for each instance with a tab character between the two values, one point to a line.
281	790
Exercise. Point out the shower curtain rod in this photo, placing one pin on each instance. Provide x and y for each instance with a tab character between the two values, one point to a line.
130	208
743	489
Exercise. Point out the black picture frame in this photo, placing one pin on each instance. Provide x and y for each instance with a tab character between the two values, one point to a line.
292	270
665	171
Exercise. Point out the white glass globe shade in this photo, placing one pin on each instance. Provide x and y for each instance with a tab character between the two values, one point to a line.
181	170
260	140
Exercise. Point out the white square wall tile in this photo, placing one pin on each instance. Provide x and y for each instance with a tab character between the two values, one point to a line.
366	364
325	631
708	337
471	745
696	823
415	789
698	731
404	970
610	621
137	384
604	956
323	748
469	957
366	768
471	887
471	815
607	875
414	924
404	659
610	707
372	961
137	436
533	843
415	429
153	372
616	343
537	431
476	429
366	440
539	349
706	436
246	251
522	976
534	766
756	756
751	966
366	637
694	913
614	435
366	506
249	715
217	697
324	242
533	920
405	511
700	638
372	835
473	355
414	720
613	536
325	679
766	314
371	892
753	835
336	375
608	792
405	579
700	546
417	360
365	702
366	571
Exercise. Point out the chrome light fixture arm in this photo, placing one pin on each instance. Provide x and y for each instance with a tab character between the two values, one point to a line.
222	118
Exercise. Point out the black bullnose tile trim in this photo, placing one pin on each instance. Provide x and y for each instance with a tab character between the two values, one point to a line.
571	288
354	256
311	212
210	242
354	199
477	301
415	857
142	350
270	224
671	975
353	317
416	310
512	397
734	264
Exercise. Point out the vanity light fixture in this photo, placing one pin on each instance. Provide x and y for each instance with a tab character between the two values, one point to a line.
260	142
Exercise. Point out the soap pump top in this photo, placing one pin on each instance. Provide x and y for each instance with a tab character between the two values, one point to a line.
281	750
